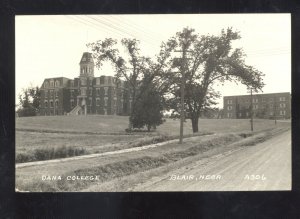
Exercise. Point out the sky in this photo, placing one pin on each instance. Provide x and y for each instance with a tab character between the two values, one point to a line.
52	46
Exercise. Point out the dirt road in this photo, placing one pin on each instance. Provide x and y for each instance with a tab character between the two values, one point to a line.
265	166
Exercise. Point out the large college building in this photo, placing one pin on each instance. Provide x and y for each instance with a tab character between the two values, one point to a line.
85	94
268	106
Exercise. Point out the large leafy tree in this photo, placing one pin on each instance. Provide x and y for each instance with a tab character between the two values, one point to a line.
205	61
149	107
132	66
29	100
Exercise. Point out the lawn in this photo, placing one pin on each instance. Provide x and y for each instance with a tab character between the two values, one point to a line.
117	124
77	135
114	167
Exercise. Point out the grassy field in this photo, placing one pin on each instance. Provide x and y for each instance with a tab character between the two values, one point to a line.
33	140
117	124
115	167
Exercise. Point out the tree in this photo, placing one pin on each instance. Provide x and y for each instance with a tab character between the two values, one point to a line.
29	101
148	110
131	67
211	60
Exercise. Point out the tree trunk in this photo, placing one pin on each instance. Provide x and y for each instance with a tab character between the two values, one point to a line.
149	128
195	120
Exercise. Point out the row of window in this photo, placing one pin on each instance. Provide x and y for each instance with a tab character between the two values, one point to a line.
97	102
255	100
52	84
86	69
51	104
84	91
281	105
52	93
281	112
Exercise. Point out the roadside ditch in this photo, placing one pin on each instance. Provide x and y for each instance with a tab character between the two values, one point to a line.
149	159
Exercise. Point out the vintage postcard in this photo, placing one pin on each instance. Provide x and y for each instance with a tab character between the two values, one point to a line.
177	102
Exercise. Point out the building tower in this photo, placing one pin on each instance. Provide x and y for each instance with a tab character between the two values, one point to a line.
86	65
86	80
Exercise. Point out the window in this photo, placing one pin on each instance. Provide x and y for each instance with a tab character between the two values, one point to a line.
91	92
282	105
271	113
83	81
72	103
247	114
51	83
271	105
46	84
51	93
229	115
105	80
271	99
98	102
282	112
255	100
105	90
229	107
98	92
83	91
229	101
46	93
56	93
72	93
91	82
255	106
240	114
90	101
263	99
56	103
51	103
281	98
46	104
97	81
56	83
105	101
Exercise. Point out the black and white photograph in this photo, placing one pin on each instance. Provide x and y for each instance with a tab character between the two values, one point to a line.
153	102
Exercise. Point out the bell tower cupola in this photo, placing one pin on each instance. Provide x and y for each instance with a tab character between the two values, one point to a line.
86	65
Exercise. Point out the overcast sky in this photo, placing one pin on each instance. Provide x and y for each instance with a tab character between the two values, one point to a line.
52	46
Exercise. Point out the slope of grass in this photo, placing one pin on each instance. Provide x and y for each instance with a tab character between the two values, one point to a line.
118	124
157	157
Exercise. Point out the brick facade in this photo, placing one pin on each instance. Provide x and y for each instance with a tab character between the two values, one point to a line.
268	106
85	94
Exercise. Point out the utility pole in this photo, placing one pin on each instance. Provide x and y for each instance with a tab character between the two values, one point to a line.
182	88
182	93
251	108
275	108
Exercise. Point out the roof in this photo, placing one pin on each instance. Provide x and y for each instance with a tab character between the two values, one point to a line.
254	94
86	58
